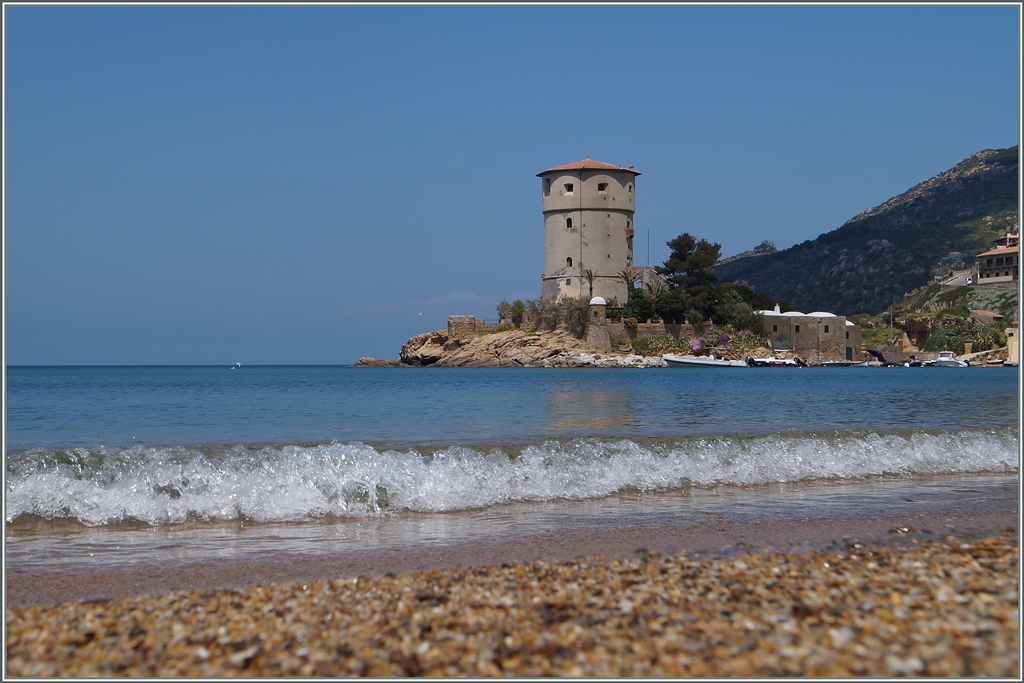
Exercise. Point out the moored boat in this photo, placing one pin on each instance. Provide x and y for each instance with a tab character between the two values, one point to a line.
711	361
946	360
775	362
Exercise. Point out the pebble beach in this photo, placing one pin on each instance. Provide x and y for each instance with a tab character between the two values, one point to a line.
921	607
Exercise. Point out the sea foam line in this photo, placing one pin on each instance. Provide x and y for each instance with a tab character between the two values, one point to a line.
160	485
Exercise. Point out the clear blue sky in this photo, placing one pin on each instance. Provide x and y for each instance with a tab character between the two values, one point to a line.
315	184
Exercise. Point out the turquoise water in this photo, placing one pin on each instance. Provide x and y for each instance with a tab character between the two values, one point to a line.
158	446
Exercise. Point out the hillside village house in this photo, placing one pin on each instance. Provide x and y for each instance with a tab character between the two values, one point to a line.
999	265
816	337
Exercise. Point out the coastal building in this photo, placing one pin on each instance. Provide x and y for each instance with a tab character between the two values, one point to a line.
999	266
588	211
1012	345
815	337
983	316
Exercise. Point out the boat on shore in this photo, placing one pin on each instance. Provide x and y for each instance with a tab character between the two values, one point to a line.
711	361
946	359
844	364
775	362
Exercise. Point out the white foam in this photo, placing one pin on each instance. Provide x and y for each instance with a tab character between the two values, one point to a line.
294	483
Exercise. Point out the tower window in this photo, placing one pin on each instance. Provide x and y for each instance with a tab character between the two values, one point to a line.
547	187
568	280
568	188
630	188
602	187
568	262
568	222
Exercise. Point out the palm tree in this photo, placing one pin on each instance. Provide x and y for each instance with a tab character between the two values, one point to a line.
657	290
629	276
590	276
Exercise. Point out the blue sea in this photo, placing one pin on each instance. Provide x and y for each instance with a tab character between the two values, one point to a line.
157	464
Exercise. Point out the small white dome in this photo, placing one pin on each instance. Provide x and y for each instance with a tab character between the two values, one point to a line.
849	324
793	314
598	301
822	314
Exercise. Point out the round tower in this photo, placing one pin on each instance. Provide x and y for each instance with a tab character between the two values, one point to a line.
588	226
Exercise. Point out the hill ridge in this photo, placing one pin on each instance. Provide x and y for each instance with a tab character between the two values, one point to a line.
900	245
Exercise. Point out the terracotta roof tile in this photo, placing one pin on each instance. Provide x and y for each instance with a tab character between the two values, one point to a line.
589	164
999	252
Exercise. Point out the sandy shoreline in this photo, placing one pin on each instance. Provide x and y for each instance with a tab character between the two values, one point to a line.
718	535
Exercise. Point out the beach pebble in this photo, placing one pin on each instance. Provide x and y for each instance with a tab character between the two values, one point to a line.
938	608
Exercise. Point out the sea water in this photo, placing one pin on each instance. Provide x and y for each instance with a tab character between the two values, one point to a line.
151	464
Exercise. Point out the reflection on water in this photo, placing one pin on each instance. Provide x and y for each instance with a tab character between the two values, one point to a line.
591	409
78	548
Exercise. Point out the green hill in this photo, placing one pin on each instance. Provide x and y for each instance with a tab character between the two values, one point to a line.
894	248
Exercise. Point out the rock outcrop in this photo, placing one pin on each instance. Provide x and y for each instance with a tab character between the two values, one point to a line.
367	362
512	348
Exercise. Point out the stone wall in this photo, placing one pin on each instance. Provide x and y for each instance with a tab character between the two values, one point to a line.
620	333
462	327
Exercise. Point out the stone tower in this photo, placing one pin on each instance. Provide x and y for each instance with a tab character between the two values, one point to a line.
588	225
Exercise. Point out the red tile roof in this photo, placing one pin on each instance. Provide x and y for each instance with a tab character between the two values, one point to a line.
589	164
990	314
999	252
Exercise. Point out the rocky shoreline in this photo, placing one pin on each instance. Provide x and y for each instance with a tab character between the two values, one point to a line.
514	349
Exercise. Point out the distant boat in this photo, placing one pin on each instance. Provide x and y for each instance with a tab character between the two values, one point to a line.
701	362
946	360
845	364
775	362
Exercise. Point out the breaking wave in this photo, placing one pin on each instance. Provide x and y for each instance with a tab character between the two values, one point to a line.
161	485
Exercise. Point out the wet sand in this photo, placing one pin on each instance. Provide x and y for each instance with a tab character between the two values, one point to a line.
718	536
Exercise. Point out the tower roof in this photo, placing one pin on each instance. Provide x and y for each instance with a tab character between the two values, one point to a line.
589	164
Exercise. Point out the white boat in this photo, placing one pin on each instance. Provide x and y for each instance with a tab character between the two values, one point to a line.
946	360
711	361
775	362
844	364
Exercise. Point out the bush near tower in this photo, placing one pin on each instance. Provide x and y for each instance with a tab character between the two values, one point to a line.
693	293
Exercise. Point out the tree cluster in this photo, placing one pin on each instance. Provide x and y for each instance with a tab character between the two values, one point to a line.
691	292
568	313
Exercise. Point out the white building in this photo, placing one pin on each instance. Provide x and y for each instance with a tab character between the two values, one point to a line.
816	337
